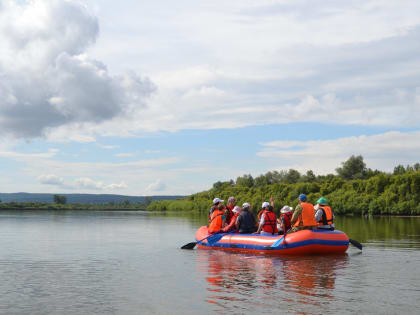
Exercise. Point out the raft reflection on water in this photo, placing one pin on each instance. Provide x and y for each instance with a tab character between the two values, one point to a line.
280	280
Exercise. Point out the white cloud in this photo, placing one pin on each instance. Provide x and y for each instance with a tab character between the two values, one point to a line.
274	62
29	156
124	154
381	151
46	79
51	179
121	185
261	63
158	185
108	147
80	183
88	183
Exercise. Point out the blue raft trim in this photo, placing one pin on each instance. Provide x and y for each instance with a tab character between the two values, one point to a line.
282	246
315	241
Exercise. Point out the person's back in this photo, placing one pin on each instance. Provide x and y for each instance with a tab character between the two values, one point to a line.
216	221
307	218
324	215
285	219
268	221
246	220
304	215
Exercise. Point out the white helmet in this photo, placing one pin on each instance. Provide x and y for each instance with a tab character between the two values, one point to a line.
265	204
217	200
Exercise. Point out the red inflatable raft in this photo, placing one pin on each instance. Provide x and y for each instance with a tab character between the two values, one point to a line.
304	242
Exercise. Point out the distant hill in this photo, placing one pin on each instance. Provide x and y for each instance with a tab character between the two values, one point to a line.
79	198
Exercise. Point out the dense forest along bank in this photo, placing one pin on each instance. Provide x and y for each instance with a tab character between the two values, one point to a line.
355	190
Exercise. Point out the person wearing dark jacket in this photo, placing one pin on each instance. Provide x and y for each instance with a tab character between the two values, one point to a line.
245	223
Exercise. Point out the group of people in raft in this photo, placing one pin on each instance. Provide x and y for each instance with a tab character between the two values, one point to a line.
234	219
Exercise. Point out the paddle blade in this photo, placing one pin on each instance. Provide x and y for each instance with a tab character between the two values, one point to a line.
355	244
189	245
214	238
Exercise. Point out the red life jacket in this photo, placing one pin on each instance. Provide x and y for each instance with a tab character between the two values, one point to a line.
270	222
287	220
327	216
229	212
216	221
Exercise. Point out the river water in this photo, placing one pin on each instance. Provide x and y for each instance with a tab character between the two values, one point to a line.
131	263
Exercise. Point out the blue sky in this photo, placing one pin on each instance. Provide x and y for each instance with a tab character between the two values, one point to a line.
168	97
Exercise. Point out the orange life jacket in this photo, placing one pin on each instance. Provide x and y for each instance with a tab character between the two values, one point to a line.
327	217
270	222
307	216
216	221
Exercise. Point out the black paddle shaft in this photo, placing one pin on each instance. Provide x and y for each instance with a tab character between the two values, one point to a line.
355	244
192	244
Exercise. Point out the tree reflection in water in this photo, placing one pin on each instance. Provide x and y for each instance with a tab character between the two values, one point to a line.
239	282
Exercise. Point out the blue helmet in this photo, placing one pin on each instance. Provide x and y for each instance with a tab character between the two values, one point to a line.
302	197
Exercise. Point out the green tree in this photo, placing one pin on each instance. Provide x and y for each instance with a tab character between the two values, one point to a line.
217	185
261	181
292	176
399	169
308	177
61	200
353	168
245	181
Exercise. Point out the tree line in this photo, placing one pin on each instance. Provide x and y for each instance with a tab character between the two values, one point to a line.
60	203
353	190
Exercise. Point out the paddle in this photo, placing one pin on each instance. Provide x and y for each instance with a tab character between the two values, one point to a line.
192	244
355	244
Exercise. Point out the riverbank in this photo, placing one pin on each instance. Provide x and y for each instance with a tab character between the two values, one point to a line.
29	206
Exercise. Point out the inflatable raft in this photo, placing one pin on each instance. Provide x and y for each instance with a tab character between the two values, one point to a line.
304	242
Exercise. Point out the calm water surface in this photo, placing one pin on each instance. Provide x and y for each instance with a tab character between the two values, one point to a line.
130	263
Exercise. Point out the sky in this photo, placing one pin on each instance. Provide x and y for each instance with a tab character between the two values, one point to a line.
168	97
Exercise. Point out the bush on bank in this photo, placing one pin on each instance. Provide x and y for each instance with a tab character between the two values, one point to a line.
355	192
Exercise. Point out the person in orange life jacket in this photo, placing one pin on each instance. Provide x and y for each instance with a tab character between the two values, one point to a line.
304	215
231	227
245	223
264	207
216	203
324	216
268	221
229	209
217	219
284	221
